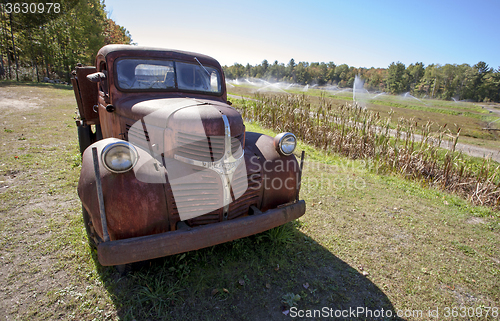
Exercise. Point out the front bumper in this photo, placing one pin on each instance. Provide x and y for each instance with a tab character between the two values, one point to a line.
164	244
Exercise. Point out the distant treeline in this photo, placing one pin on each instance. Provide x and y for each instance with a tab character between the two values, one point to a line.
459	82
36	44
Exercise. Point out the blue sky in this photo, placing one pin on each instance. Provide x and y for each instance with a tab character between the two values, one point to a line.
358	33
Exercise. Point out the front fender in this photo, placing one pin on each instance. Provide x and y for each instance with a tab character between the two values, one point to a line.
280	174
133	208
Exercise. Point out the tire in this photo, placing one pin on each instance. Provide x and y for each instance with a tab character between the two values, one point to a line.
98	133
92	236
84	137
123	269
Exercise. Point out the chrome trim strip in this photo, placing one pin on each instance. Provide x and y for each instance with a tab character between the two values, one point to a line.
227	175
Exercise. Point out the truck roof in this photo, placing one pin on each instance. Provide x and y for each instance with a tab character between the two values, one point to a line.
153	52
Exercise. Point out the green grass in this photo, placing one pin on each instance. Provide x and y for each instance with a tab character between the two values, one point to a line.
433	109
366	240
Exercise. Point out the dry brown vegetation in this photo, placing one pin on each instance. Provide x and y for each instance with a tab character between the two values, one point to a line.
355	132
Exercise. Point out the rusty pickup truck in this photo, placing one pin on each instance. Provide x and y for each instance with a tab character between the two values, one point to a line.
167	166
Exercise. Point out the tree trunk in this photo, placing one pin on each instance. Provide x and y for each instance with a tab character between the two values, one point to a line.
2	70
460	95
14	47
45	52
32	52
6	37
47	68
433	87
36	69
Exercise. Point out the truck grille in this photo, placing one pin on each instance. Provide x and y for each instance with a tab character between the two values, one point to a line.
206	149
212	194
251	196
196	196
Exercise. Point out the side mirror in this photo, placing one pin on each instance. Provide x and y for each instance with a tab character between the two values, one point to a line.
100	78
96	77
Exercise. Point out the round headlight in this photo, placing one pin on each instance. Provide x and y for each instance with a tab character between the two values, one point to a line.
119	157
285	143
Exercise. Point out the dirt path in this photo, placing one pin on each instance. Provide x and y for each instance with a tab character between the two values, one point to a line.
42	237
493	108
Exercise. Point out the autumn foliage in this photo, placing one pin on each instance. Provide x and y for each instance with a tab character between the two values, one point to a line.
47	46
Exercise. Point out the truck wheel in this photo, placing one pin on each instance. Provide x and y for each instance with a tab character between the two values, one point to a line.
84	137
123	269
92	236
98	133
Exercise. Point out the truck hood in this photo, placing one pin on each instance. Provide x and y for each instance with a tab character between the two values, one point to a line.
200	143
198	116
186	128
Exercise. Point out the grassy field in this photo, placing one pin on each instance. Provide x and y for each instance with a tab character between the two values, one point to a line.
366	240
470	117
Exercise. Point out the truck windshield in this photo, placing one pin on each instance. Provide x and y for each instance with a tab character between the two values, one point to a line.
149	74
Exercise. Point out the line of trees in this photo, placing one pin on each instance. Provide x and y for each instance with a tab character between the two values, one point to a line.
37	46
459	82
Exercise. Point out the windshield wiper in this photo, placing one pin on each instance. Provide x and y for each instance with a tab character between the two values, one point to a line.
202	66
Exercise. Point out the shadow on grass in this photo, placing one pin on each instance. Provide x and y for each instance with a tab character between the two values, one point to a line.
255	278
11	83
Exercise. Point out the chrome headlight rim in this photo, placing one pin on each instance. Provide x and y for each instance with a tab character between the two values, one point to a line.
109	147
280	138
